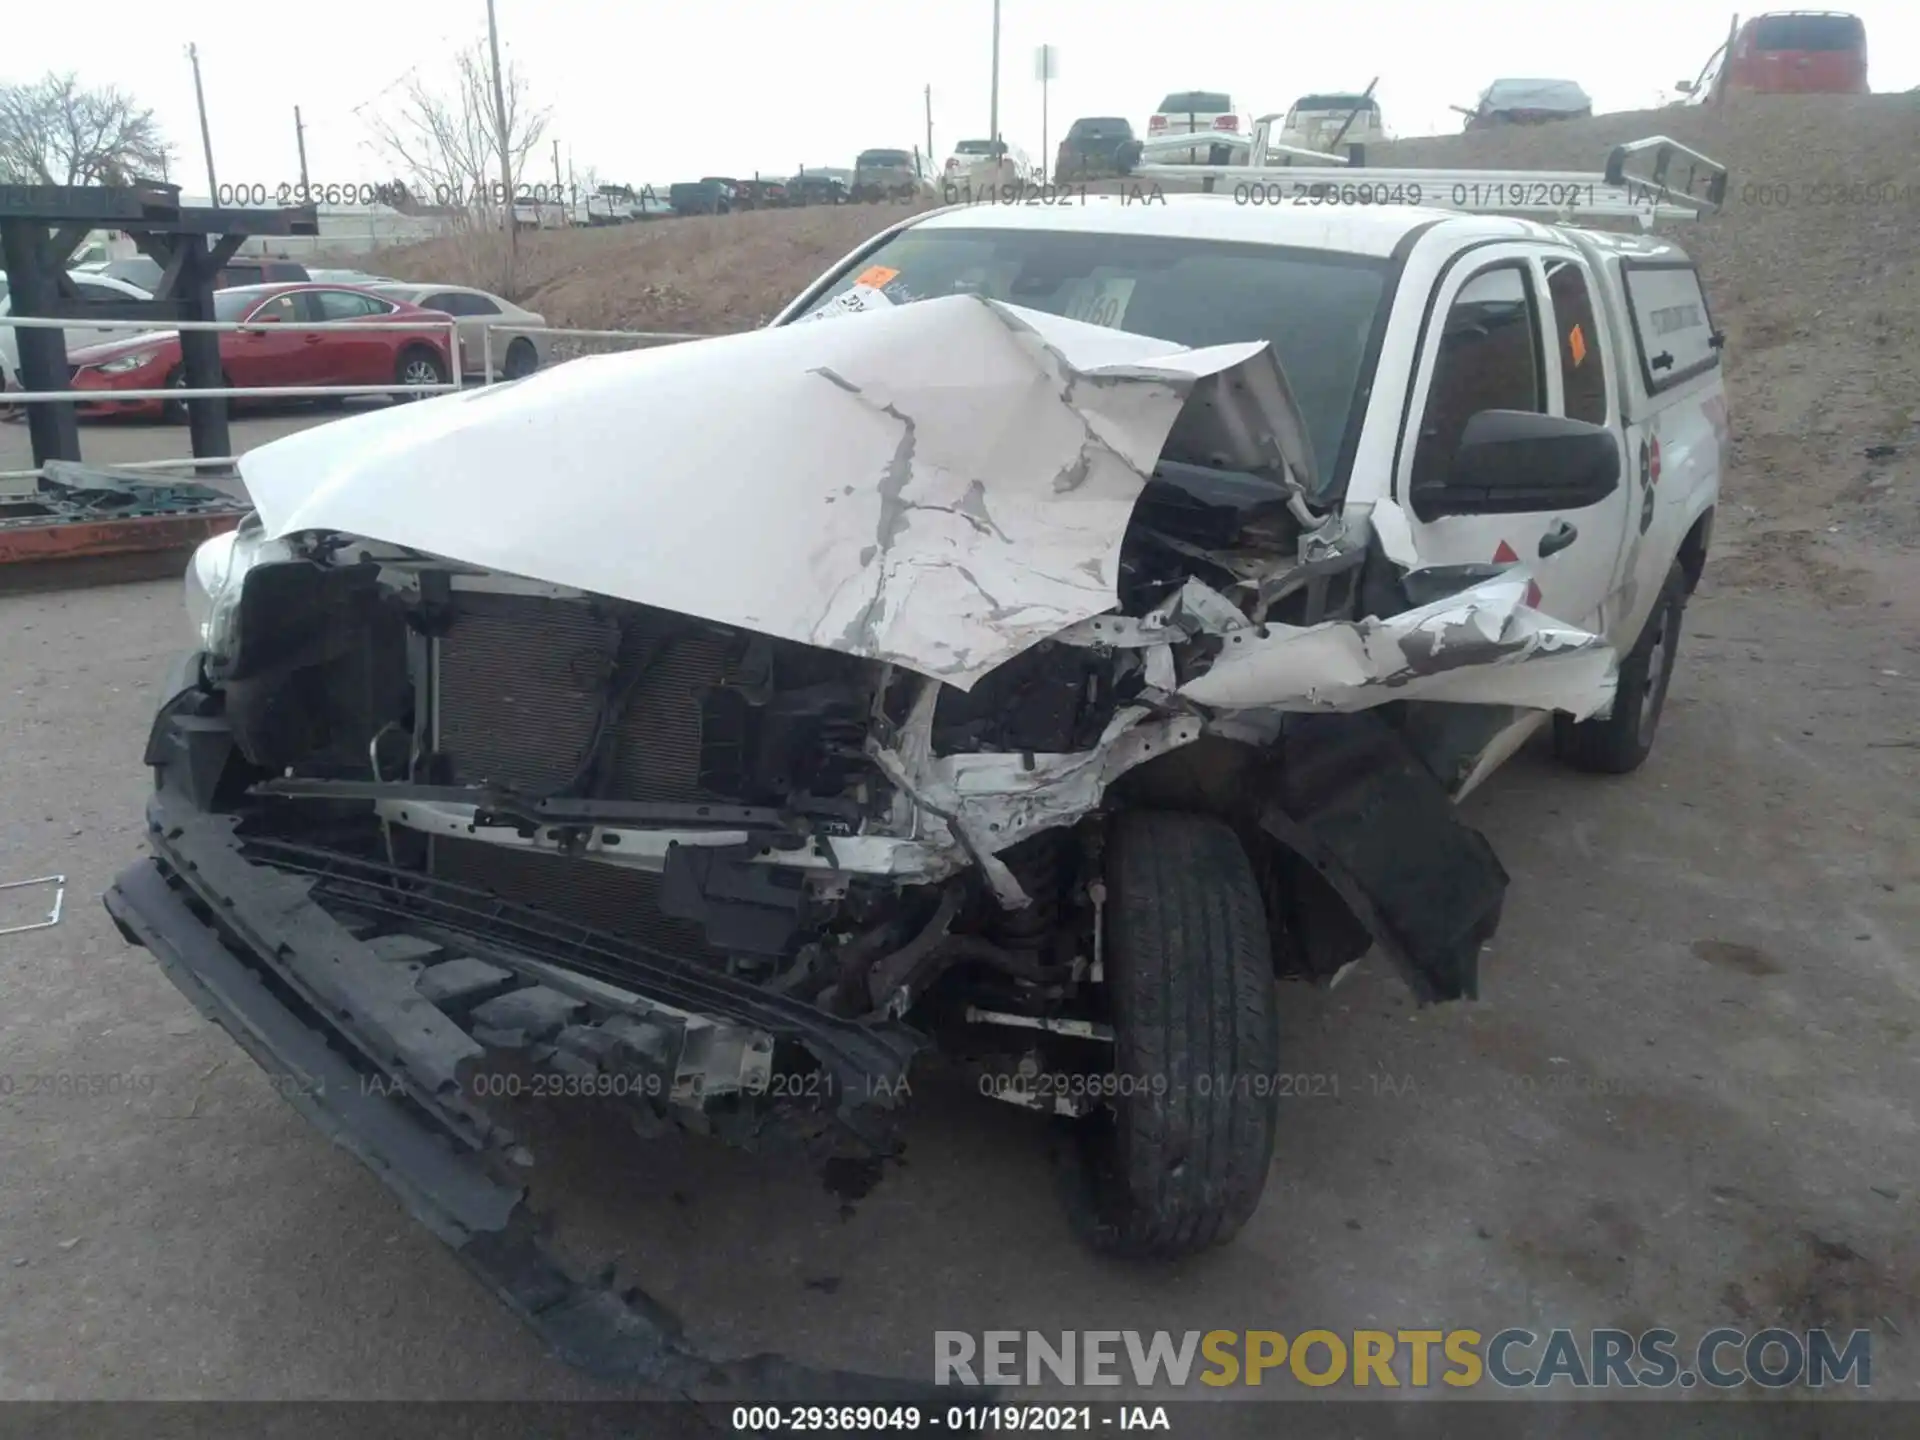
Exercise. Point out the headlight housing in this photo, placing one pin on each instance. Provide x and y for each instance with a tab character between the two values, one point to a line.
128	362
216	576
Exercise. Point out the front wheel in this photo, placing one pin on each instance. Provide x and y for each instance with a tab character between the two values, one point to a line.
418	366
1624	739
174	412
1179	1161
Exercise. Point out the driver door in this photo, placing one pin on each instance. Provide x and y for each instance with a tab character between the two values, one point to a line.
264	352
1514	327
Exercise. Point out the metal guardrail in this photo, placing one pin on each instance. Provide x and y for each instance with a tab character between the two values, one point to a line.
232	462
647	337
190	462
261	392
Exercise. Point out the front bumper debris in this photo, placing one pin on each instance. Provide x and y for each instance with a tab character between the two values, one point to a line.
378	1068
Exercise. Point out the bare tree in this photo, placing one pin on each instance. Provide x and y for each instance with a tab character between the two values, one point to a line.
447	145
55	131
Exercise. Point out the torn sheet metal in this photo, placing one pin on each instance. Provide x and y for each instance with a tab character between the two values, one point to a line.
988	802
1483	645
941	484
1196	608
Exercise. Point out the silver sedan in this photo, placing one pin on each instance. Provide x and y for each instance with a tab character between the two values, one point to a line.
514	355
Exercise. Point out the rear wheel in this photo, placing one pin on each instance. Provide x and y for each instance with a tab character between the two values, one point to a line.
1179	1161
1623	740
418	366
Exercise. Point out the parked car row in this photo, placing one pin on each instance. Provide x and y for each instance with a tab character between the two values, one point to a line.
402	340
1783	52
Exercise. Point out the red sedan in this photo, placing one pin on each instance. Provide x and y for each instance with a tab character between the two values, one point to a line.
264	354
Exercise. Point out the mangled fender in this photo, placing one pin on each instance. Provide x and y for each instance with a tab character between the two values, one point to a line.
1483	646
940	485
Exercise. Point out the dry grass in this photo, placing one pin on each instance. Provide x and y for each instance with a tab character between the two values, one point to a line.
708	274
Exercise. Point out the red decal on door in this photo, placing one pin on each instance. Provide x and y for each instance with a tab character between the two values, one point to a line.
1505	554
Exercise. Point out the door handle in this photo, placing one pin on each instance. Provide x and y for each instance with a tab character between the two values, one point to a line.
1563	534
313	339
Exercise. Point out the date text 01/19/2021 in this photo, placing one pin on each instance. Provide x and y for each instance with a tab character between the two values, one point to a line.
1411	192
955	1419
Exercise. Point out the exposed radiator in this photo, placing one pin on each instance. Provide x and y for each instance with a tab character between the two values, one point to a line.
520	681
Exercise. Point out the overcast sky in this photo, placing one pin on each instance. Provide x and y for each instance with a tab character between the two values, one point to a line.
657	92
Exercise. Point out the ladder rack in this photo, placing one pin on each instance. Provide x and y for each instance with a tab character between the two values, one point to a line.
1644	180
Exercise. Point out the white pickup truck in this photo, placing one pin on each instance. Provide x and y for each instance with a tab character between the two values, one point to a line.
1059	620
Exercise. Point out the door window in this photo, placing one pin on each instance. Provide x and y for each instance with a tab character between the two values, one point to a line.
282	308
1489	359
1583	376
345	305
459	303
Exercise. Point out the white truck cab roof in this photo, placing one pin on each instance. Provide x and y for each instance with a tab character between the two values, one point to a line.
1377	230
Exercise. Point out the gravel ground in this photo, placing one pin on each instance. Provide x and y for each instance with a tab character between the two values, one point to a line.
1689	1096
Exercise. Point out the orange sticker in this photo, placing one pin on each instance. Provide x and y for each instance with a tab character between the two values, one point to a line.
1577	343
875	276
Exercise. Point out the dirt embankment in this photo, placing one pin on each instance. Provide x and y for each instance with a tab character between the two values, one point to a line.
705	274
1813	270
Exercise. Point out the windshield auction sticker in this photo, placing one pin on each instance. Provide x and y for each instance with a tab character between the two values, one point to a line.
1101	300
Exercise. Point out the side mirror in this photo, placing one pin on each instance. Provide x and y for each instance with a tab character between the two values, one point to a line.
1513	462
1685	87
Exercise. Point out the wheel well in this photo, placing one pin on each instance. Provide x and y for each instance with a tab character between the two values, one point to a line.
1313	931
1693	550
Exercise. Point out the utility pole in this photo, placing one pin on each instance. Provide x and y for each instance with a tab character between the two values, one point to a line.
558	179
206	136
500	127
929	93
993	108
300	138
1046	64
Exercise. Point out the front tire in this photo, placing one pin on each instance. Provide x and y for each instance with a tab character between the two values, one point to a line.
174	412
1621	742
1179	1162
418	366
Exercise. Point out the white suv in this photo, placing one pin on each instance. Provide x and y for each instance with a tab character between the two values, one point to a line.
1333	122
1194	112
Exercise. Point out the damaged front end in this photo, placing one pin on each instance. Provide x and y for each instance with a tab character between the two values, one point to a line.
729	783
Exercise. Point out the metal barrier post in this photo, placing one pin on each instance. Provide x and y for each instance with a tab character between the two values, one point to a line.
200	366
486	354
54	429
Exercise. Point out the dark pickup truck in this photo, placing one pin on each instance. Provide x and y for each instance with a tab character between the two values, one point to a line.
701	197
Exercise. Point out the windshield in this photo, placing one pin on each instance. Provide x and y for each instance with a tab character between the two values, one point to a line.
1809	32
1198	102
1316	308
974	147
878	158
1342	103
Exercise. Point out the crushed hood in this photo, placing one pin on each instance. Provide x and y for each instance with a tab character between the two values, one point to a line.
940	485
